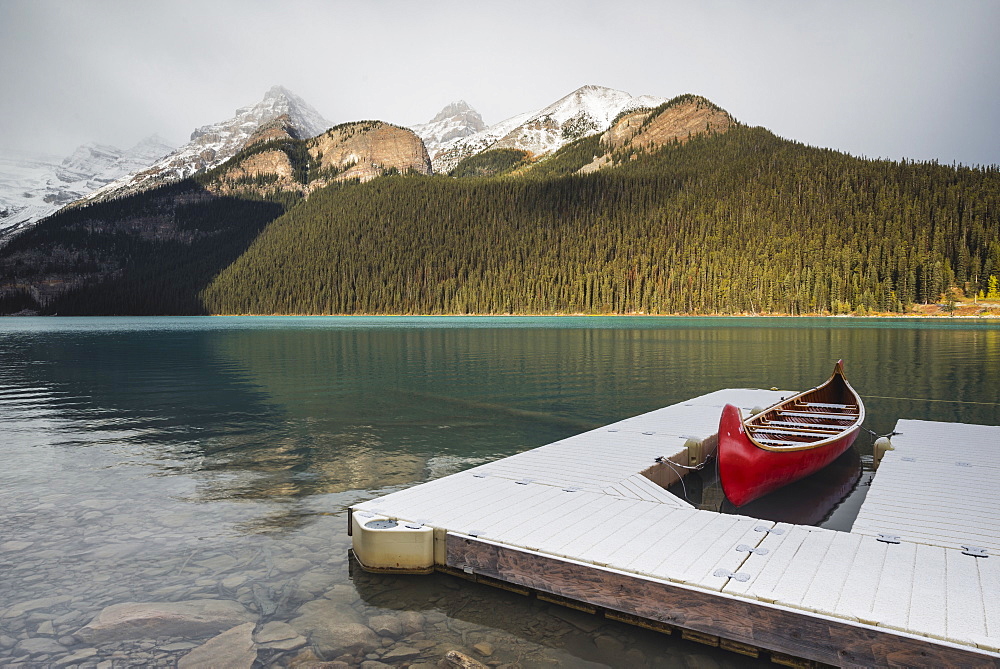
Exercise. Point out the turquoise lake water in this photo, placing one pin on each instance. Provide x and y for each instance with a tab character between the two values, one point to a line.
169	459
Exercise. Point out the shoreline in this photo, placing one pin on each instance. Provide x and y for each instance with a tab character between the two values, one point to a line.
881	316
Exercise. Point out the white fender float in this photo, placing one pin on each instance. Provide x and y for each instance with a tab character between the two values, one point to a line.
383	544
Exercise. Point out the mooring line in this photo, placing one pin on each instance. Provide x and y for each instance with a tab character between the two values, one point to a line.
924	399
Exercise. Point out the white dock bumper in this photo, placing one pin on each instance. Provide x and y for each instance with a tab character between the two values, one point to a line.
383	544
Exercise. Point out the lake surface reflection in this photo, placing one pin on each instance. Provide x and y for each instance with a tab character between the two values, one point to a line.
192	460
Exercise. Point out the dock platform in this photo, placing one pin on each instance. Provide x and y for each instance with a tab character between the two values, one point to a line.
587	520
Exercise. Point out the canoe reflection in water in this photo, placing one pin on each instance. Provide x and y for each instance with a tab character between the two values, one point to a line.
808	501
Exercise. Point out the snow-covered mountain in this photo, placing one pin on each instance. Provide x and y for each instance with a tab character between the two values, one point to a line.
585	111
455	121
33	187
213	144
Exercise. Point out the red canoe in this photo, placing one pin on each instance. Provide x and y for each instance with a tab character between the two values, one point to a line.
788	441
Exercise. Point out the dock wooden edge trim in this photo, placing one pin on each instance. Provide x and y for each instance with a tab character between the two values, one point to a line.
777	629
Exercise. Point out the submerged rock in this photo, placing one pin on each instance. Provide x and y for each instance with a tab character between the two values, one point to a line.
21	608
333	637
10	546
76	658
233	649
38	645
401	653
318	610
386	625
457	660
412	621
144	620
483	648
279	636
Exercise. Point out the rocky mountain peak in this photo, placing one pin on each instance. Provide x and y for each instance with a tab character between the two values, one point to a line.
213	144
586	111
275	129
365	150
278	91
456	120
646	129
457	108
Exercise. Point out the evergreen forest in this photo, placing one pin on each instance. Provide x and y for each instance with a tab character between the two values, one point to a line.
739	222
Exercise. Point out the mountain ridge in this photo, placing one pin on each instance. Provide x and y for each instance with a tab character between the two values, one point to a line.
456	120
32	188
213	144
586	111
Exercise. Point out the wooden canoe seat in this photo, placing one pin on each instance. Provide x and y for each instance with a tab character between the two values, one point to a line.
821	405
792	433
824	416
814	427
779	442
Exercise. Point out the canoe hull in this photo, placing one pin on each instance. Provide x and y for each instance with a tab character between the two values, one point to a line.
748	471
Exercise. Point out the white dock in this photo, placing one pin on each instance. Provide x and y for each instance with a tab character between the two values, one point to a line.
581	519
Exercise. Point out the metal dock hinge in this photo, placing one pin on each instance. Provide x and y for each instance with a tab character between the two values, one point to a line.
468	570
743	548
975	551
481	475
524	481
771	530
725	573
888	538
476	533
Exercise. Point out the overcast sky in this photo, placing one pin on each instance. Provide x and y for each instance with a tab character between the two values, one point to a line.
880	79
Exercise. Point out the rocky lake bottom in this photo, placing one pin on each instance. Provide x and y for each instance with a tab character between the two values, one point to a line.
139	588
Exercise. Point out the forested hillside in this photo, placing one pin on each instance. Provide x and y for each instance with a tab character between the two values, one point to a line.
154	251
725	223
150	253
738	221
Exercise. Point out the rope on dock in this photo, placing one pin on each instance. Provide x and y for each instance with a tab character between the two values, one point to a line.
924	399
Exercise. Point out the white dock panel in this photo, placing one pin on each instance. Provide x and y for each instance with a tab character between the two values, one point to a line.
603	541
766	569
676	548
586	531
857	598
639	487
965	611
977	444
929	489
929	594
989	580
831	574
892	598
791	588
623	553
503	524
722	554
553	530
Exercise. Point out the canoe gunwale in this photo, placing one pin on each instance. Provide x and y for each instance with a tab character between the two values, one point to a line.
842	430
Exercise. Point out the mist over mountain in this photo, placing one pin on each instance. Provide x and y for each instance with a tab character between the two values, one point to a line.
213	144
33	187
